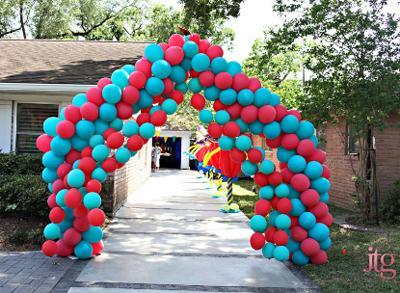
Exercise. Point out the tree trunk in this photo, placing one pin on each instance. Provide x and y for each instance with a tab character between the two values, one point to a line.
21	18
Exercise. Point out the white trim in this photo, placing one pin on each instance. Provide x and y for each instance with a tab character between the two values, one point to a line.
43	88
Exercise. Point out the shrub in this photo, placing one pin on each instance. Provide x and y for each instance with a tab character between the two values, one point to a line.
26	236
390	208
29	164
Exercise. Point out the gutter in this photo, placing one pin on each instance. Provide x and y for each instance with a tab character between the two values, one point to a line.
43	88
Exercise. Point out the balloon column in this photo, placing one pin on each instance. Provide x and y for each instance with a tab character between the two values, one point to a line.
96	135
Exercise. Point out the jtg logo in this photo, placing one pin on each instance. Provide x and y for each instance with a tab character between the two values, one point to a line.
376	259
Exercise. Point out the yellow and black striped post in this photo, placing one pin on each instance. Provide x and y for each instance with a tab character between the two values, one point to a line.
229	191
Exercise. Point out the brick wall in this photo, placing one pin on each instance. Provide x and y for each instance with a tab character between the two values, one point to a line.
125	180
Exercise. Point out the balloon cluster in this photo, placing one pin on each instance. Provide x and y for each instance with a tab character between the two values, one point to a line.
96	135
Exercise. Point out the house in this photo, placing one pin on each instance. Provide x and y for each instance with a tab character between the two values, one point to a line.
39	77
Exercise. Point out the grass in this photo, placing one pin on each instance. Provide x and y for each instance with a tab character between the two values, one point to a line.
344	271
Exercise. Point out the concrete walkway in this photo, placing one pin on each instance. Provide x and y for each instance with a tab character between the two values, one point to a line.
171	236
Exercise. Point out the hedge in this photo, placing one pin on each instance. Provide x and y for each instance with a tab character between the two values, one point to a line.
29	164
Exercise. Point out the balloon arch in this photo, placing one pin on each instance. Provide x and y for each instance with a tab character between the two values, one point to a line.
96	135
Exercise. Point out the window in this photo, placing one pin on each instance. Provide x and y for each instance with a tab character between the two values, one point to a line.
352	143
30	118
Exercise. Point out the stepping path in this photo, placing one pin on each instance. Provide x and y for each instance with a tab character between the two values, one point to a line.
171	236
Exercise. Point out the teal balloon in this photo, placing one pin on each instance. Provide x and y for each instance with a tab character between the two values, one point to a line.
75	164
266	192
195	85
79	100
262	97
281	253
178	74
50	187
112	93
275	100
83	250
78	143
268	250
307	220
234	68
60	197
99	174
92	200
108	112
297	207
324	197
161	69
243	143
153	53
314	139
258	223
262	151
117	124
319	232
186	64
256	128
222	117
218	65
200	62
96	140
249	168
130	128
272	130
226	143
289	124
120	78
282	190
190	49
51	231
169	106
297	163
267	167
147	130
76	178
293	193
245	97
154	86
145	100
305	129
183	87
128	68
84	129
50	125
211	93
49	175
322	185
61	115
313	170
122	155
228	96
272	217
100	126
292	245
154	109
51	160
282	222
205	116
244	127
69	213
326	244
284	155
100	152
299	258
64	225
93	234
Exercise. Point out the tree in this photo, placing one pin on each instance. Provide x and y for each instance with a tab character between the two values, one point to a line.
14	16
355	66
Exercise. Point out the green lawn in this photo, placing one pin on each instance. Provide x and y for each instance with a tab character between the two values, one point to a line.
343	273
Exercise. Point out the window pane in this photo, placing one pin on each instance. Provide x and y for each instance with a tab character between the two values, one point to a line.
30	118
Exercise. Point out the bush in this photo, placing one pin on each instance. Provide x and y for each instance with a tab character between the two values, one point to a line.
27	236
23	195
28	164
390	208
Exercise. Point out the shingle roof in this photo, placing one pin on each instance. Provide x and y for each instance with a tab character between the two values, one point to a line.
64	62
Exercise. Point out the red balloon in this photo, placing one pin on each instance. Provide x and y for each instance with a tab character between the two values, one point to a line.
194	73
309	198
281	112
94	95
198	102
87	165
63	170
135	143
93	185
327	220
274	202
300	182
174	55
176	40
51	201
43	143
273	143
195	38
73	198
115	140
63	249
261	179
257	241
130	94
309	247
249	114
97	247
296	113
284	205
234	110
223	80
86	152
217	105
158	118
72	113
57	185
240	81
290	141
326	173
275	178
177	96
254	84
72	237
214	51
138	80
168	86
72	156
204	44
320	210
281	237
206	78
143	118
262	207
306	148
237	155
81	224
298	233
109	165
286	175
56	215
318	155
65	129
294	221
103	82
231	129
255	156
269	234
49	247
214	130
80	211
143	66
320	258
96	217
124	110
266	114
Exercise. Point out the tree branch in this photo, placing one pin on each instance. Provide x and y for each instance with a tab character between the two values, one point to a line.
2	34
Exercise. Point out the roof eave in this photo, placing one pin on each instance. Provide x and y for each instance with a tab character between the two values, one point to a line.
43	88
